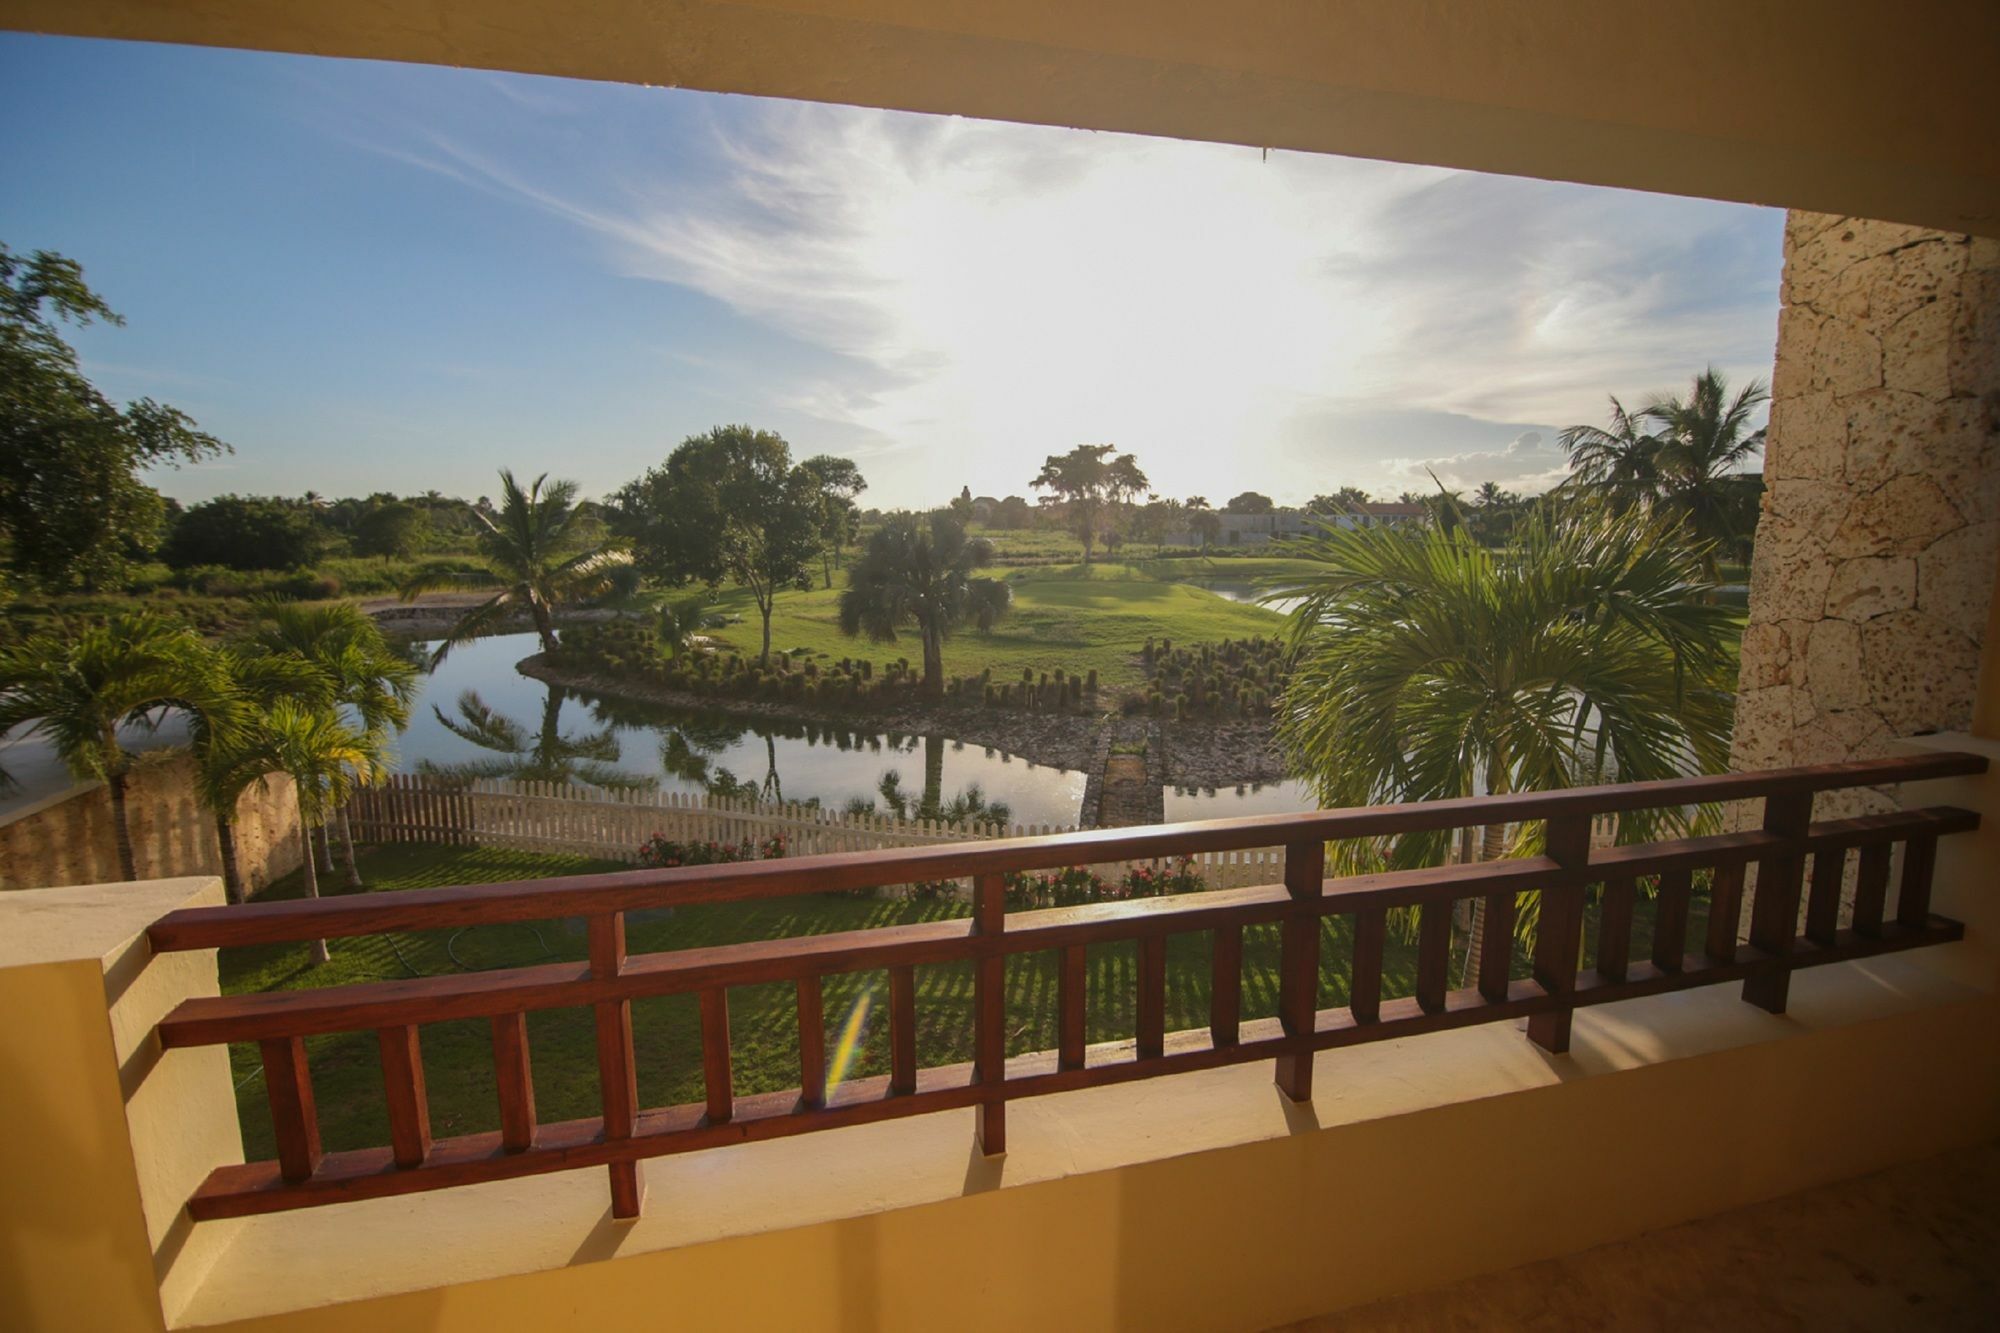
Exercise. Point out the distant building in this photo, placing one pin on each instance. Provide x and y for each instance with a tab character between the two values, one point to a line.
1374	515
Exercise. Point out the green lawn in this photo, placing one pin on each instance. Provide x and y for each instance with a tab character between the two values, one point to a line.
763	1019
1065	616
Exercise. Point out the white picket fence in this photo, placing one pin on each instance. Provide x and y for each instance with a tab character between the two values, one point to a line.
586	821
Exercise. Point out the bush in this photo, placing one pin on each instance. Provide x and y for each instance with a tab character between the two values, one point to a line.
660	852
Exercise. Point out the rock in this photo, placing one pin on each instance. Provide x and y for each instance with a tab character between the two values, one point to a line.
1902	515
1862	589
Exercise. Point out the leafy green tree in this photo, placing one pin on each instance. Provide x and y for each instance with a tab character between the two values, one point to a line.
1152	521
540	548
393	531
73	511
921	574
1428	667
1092	481
1205	522
1249	502
1011	515
78	690
838	481
727	505
243	532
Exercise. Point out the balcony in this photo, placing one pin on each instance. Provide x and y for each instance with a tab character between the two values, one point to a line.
1611	1099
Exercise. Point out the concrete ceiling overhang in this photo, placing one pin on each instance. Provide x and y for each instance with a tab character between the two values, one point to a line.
1878	108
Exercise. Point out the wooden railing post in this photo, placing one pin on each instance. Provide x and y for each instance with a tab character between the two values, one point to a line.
294	1122
1558	935
1774	913
989	985
617	1078
1298	965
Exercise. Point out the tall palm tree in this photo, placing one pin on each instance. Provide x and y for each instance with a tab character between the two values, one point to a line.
913	573
80	690
1428	667
1621	459
360	670
325	758
539	551
1705	439
546	755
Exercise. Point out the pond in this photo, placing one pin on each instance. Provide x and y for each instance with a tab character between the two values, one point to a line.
535	730
1283	797
1250	594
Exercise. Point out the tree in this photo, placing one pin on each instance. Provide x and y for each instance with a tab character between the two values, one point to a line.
1011	515
73	511
1206	523
1621	460
1345	500
921	573
393	531
1250	502
838	481
1091	480
1153	520
1428	667
79	690
727	505
227	764
243	532
357	670
539	549
961	506
683	619
1705	440
325	759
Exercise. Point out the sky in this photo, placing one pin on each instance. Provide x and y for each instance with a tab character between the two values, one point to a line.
369	276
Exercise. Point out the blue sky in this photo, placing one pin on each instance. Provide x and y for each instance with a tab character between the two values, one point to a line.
369	276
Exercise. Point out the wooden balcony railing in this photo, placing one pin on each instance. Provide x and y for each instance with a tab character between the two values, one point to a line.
610	980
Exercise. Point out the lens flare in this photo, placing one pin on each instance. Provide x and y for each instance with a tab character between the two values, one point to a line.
852	1033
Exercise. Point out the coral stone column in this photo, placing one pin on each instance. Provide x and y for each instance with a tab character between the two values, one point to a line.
1873	579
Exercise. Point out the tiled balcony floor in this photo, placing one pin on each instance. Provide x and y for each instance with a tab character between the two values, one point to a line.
1914	1247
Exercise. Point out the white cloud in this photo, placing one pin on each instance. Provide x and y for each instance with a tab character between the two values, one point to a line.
1000	292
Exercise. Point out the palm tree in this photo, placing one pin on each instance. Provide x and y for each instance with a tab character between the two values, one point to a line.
80	690
539	552
682	621
361	672
1622	459
326	759
1428	667
1705	439
910	576
227	764
546	755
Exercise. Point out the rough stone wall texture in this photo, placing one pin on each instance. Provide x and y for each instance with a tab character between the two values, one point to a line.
68	840
1876	550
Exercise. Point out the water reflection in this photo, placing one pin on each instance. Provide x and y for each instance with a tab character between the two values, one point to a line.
522	727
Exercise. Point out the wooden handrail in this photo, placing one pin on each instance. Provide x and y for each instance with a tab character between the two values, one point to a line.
610	981
636	890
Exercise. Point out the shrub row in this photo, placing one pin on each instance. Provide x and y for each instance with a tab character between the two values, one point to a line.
1237	677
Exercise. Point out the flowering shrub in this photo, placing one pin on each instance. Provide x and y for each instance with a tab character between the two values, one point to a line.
660	852
1156	879
1066	888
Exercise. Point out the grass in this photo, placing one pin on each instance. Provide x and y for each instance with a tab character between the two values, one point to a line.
458	1066
1066	616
